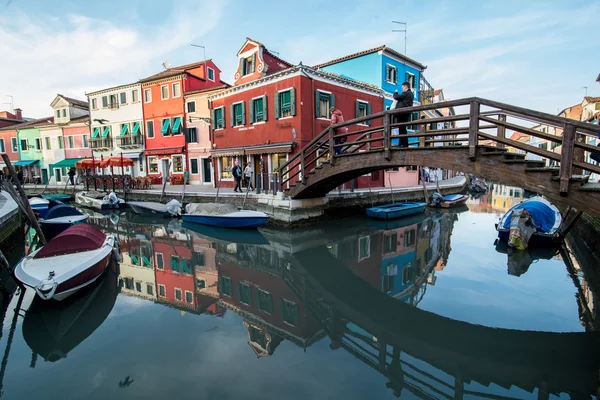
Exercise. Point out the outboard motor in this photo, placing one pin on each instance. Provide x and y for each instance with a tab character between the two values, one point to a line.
174	207
522	227
113	200
437	199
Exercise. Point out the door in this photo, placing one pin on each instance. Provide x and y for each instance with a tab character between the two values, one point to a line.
44	176
165	169
58	175
206	171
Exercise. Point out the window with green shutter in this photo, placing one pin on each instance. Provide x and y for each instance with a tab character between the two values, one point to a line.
245	293
225	283
166	127
175	263
185	266
285	103
324	101
219	118
258	109
362	110
289	312
391	74
256	336
238	114
265	302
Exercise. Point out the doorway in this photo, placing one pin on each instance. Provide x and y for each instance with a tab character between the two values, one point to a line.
165	169
44	176
206	171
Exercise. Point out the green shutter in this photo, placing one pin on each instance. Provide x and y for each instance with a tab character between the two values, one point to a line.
176	124
277	107
252	116
136	128
357	109
369	113
231	116
264	104
105	132
243	105
95	133
331	100
406	75
135	260
214	119
243	60
223	115
165	127
317	105
124	129
253	62
293	101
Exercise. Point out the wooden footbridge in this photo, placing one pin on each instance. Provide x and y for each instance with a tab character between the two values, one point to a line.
475	141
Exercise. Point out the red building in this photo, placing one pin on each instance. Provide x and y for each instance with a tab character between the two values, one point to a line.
275	108
8	119
9	143
164	111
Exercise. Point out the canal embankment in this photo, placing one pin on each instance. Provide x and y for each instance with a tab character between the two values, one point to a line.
11	230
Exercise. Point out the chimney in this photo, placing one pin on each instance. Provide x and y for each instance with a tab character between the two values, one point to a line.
19	114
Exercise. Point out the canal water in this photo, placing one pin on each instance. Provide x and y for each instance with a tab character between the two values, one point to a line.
427	307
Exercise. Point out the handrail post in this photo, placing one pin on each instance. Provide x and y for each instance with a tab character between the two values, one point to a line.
501	130
331	146
386	136
566	158
303	166
473	129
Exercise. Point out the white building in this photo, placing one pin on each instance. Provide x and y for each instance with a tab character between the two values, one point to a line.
117	125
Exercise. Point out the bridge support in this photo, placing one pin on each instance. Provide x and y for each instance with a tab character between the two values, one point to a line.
501	131
566	158
473	129
386	136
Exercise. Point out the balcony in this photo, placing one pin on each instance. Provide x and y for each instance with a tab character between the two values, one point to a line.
113	106
101	144
130	141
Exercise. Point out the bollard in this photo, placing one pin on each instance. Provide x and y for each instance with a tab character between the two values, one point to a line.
257	178
275	184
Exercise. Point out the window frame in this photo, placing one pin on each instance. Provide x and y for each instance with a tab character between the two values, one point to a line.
392	68
14	143
283	316
104	101
329	103
26	144
85	141
2	147
368	248
178	290
173	171
187	106
163	289
162	96
191	297
122	98
48	143
135	98
94	103
245	285
189	135
234	117
223	278
173	85
197	166
71	142
259	296
220	109
147	95
151	130
281	95
208	71
160	266
414	80
262	100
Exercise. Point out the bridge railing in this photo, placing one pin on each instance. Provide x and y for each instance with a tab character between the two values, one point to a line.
475	123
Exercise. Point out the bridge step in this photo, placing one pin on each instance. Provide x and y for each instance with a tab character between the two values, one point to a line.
590	187
554	170
514	156
575	178
493	153
529	163
494	149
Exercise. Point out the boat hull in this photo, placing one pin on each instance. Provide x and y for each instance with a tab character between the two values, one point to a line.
58	197
98	204
227	221
453	203
394	211
141	210
51	227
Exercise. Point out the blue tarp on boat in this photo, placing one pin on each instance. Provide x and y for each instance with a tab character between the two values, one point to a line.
543	215
452	197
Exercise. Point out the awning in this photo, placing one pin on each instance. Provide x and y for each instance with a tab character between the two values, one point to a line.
164	151
274	148
95	132
136	128
133	156
66	163
124	129
105	132
228	152
176	124
165	126
25	162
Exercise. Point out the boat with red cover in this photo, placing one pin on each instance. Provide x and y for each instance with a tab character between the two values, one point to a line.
69	262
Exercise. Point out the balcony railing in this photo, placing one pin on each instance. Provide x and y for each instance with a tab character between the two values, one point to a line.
101	143
131	141
113	106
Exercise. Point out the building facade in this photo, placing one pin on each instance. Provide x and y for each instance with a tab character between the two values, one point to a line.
9	144
117	125
274	110
164	112
53	152
11	118
30	150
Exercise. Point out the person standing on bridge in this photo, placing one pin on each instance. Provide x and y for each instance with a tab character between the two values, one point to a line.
337	118
403	100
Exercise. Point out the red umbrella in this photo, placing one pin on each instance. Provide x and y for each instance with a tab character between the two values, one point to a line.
117	161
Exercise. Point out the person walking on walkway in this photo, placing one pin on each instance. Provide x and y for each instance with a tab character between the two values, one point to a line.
237	175
71	174
403	100
248	175
336	118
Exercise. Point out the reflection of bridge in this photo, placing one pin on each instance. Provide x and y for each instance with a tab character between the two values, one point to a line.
313	173
553	362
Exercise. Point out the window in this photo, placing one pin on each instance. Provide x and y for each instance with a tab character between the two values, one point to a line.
165	129
390	242
85	141
147	95
153	165
412	80
177	126
123	97
258	337
129	283
188	297
149	289
226	167
161	290
160	261
38	144
258	109
324	101
277	160
194	166
2	146
48	147
57	113
245	293
364	247
410	237
211	74
64	112
61	142
134	96
265	302
71	142
178	164
289	312
104	101
555	145
543	146
238	114
176	89
191	106
112	101
178	294
150	129
94	104
226	286
248	64
138	287
218	121
363	109
287	103
192	135
14	144
23	144
391	74
164	92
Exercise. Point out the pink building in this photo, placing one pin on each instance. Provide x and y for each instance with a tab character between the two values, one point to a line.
76	138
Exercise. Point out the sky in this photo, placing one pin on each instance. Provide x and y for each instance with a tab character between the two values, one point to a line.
530	53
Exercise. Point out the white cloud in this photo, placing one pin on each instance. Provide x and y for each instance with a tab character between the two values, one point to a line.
43	56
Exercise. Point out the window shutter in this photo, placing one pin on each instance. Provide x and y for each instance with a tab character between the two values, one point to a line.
369	113
252	116
293	101
243	62
406	76
214	119
331	100
244	113
253	62
317	105
277	108
231	116
265	113
357	109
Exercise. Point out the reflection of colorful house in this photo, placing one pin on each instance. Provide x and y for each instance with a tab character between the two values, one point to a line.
205	268
504	197
360	254
137	276
398	263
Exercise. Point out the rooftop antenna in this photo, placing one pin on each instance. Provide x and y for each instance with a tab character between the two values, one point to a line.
204	55
585	88
166	65
12	101
401	30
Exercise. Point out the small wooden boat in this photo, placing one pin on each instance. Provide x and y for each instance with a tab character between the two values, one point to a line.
396	210
59	219
449	201
68	263
151	208
546	218
223	216
65	198
40	205
99	200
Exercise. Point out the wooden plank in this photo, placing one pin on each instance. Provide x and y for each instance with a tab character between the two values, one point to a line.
528	131
386	137
434	106
522	146
303	166
473	129
566	158
501	130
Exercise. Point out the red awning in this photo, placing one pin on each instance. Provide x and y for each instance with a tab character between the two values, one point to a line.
164	151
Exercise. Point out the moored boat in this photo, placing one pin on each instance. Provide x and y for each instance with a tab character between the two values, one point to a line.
40	205
223	215
58	197
545	217
151	208
396	210
68	263
449	201
99	200
59	218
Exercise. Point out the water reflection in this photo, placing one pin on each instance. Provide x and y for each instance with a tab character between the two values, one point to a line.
355	285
